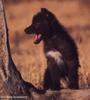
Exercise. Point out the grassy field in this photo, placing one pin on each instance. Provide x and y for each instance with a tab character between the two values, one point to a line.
28	57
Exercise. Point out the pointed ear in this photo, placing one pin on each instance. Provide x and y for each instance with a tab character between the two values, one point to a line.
44	10
47	13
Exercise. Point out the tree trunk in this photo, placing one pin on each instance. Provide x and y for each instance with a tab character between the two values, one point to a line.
13	87
11	83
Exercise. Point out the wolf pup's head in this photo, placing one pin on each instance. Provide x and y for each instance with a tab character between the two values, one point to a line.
41	25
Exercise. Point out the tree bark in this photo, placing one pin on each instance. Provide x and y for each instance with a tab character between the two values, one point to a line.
11	83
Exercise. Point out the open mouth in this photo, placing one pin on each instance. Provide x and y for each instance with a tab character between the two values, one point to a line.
38	38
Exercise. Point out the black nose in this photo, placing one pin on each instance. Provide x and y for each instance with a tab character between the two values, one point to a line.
26	30
29	30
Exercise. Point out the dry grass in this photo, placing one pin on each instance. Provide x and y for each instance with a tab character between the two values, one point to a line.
29	58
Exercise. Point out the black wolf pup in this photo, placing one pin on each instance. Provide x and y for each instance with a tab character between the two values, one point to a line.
60	50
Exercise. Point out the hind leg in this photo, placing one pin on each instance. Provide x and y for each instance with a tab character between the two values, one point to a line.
73	78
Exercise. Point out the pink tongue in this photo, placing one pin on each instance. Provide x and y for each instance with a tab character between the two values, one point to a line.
36	37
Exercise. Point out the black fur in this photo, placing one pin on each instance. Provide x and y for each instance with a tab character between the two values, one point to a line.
56	39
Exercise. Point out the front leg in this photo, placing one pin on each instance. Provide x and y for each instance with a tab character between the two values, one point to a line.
51	79
56	70
47	80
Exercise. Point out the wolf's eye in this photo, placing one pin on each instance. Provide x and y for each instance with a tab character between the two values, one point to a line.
37	25
47	15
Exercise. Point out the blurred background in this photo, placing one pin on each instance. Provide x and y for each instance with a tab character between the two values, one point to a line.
28	57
